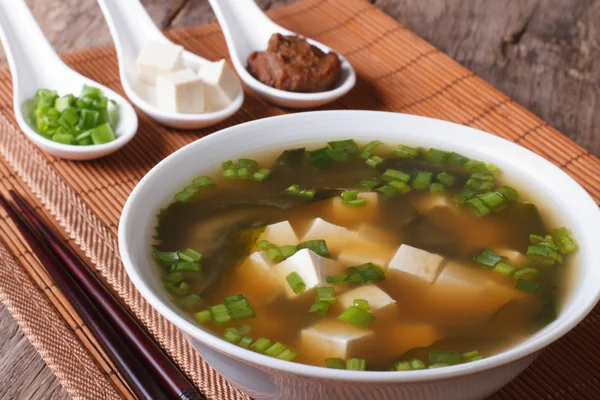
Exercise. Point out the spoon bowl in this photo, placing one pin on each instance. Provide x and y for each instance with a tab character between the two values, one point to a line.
246	29
34	65
131	28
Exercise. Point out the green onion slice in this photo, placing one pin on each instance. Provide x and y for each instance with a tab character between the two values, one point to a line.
296	282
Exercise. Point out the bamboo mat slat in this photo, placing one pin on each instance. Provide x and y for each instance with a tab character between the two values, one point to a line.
397	71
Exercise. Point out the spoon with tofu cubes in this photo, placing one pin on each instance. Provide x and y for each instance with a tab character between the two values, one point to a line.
169	84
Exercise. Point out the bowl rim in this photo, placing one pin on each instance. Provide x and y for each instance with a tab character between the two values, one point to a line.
562	324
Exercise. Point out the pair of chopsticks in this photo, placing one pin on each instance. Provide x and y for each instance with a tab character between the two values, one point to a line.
147	370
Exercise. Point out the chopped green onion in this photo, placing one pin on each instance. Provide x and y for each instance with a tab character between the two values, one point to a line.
325	293
422	180
370	183
64	138
457	160
187	194
232	335
388	191
415	363
189	302
394	174
478	206
488	258
476	185
492	168
203	182
174	277
338	155
445	357
367	272
320	158
475	166
493	201
239	307
265	245
261	344
261	174
186	266
102	134
349	195
203	317
227	165
446	178
296	190
337	279
400	187
565	242
436	156
349	146
508	192
472	356
459	199
275	349
355	203
543	254
368	149
190	255
320	307
406	152
288	250
335	363
245	342
295	282
317	246
166	257
350	199
362	304
244	173
504	269
230	173
482	176
221	313
374	161
527	273
528	286
403	366
436	188
356	316
288	355
356	364
246	162
179	289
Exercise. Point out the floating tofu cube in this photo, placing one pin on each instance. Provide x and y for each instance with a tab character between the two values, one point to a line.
361	252
331	338
464	295
180	92
280	234
312	268
513	257
336	237
158	58
221	85
257	268
417	263
379	301
349	216
427	203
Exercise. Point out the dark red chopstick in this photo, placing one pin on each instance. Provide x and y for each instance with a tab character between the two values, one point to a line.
134	372
155	360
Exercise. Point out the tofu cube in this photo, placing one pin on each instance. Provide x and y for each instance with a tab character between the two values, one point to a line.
379	301
257	268
158	58
331	338
349	216
513	257
280	234
427	203
221	85
312	268
361	252
180	92
335	236
417	263
463	296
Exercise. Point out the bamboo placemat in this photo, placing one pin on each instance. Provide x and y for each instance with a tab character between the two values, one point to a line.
397	71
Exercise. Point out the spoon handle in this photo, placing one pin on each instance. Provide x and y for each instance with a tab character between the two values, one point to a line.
30	56
245	27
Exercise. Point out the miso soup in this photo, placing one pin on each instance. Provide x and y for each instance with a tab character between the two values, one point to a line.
369	257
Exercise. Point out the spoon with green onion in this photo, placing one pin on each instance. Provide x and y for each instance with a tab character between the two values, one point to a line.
59	110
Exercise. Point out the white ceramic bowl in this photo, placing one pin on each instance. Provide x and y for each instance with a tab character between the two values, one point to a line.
268	378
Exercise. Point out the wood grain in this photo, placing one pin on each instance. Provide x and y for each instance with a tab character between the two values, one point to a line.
540	53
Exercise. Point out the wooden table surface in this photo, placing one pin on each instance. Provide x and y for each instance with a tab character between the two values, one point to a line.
539	52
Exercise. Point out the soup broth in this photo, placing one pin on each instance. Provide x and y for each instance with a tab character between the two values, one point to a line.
431	259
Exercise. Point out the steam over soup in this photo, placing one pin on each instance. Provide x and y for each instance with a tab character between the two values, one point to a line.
362	257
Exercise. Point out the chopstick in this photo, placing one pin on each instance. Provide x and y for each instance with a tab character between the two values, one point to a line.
125	361
155	360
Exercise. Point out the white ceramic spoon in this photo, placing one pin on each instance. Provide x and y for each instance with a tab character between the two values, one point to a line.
247	29
131	28
34	65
